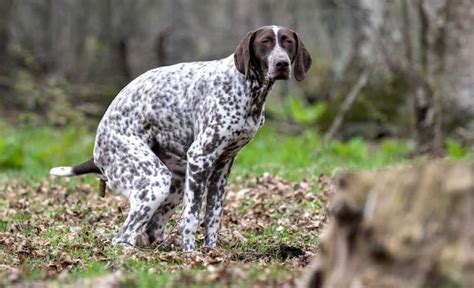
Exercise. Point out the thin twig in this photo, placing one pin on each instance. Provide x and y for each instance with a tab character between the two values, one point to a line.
347	104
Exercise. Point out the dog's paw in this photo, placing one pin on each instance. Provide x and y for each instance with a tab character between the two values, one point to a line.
189	247
124	242
142	240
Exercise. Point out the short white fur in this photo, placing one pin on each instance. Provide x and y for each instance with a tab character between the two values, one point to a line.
62	171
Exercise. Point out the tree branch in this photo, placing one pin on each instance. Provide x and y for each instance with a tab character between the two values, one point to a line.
347	104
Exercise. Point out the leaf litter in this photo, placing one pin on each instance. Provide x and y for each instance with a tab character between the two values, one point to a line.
51	230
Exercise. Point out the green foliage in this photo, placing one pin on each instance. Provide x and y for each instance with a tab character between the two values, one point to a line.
12	155
455	149
303	113
295	110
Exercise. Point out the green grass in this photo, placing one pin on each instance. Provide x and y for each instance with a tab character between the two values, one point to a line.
32	151
305	155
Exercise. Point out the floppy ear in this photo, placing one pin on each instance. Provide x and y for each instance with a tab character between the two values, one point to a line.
243	54
302	60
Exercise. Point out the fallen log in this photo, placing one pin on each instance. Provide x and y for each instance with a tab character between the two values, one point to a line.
399	227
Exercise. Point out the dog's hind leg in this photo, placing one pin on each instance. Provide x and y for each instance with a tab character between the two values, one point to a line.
157	225
145	180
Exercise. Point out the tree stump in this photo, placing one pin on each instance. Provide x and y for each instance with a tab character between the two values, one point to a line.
399	227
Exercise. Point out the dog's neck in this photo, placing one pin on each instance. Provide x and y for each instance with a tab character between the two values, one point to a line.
259	88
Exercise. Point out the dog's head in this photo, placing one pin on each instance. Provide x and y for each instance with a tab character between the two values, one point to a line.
273	53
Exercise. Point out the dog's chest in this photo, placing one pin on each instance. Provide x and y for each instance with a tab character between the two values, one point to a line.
241	134
248	127
243	118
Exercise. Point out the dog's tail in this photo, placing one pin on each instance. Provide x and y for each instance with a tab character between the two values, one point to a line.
80	169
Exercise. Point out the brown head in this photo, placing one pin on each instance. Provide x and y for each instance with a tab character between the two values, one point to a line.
274	53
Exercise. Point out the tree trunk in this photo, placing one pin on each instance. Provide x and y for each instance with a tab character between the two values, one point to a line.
421	97
446	41
5	7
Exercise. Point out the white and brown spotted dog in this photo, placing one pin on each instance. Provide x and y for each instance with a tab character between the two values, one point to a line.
176	130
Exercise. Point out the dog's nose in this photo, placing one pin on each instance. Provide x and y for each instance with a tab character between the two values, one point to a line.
282	64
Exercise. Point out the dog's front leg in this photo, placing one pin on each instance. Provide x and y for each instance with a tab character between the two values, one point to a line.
200	158
215	200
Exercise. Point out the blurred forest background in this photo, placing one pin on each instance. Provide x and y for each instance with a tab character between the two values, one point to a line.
399	68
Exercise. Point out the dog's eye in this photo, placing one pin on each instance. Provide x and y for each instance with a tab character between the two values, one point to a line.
266	41
288	41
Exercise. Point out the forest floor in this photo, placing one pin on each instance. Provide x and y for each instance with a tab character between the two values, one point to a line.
56	231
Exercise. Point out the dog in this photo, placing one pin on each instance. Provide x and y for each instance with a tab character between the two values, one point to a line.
174	131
